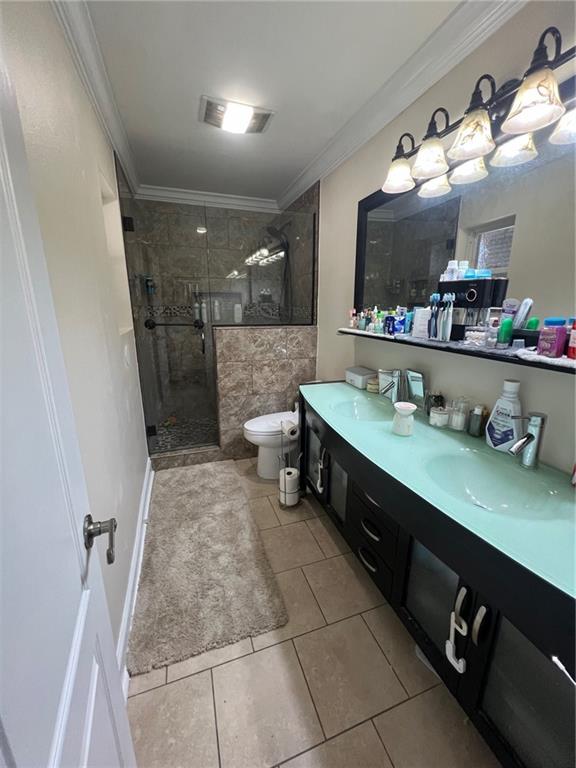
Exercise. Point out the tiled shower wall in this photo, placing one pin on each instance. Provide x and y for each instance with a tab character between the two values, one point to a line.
258	372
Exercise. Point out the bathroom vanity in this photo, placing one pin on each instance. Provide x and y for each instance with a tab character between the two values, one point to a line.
475	554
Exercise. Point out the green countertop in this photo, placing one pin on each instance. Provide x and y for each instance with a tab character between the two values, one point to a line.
528	515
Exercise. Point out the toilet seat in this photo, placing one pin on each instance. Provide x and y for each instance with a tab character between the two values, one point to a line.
270	424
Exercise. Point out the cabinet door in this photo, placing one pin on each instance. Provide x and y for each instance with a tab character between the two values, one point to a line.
315	457
432	593
337	489
529	700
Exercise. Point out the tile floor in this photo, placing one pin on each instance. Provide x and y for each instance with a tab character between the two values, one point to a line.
338	687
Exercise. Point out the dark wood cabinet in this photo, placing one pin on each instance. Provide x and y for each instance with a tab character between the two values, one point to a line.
501	638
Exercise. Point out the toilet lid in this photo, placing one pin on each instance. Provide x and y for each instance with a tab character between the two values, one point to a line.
269	424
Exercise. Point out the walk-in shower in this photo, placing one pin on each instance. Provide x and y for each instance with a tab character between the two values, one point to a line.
191	268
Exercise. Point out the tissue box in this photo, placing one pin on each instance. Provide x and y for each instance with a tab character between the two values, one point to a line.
358	376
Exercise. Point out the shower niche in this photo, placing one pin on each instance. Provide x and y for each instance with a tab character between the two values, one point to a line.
191	268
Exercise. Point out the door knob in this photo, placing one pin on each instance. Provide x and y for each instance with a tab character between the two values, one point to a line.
92	529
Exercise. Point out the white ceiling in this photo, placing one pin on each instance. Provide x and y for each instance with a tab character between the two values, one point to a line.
315	64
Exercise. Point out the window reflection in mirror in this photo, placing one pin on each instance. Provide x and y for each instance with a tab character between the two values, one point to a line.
518	222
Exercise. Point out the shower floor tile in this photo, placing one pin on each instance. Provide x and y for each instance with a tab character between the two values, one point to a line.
186	433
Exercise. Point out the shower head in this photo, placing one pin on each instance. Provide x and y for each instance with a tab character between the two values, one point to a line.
278	234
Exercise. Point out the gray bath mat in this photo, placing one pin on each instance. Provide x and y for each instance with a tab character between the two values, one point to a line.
206	581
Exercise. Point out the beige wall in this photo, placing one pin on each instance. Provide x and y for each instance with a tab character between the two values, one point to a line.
505	55
73	177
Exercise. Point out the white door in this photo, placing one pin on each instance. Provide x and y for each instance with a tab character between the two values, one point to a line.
61	702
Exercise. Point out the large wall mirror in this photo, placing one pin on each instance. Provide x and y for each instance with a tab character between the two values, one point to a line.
518	221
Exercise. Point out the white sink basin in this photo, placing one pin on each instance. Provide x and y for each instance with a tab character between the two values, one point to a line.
496	484
363	408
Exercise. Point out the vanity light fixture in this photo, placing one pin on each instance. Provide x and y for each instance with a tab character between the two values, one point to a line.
430	160
516	151
435	187
474	137
201	230
257	256
469	172
272	258
565	131
399	178
537	102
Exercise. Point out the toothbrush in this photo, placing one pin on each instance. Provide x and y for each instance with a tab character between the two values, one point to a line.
433	322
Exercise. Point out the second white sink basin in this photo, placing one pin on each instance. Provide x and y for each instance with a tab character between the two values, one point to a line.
509	490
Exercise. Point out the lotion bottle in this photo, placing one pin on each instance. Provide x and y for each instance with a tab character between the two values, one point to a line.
502	430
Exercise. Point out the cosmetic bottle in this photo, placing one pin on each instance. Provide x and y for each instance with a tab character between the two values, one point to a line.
196	310
552	339
504	333
502	429
478	419
217	316
462	269
571	349
237	313
204	311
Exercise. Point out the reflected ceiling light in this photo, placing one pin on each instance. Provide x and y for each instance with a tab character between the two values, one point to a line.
537	102
435	187
515	151
565	131
201	230
474	137
469	172
399	178
237	117
430	160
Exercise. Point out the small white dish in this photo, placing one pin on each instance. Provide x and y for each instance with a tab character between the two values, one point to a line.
403	423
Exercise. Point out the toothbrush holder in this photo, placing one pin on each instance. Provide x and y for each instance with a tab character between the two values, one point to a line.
403	422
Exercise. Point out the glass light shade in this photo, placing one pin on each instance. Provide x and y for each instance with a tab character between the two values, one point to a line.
399	177
536	105
435	187
469	172
516	151
565	131
430	160
474	137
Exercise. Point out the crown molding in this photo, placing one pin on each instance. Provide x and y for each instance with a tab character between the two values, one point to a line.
208	199
467	27
74	18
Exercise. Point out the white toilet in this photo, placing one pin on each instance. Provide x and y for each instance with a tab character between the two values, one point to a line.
266	433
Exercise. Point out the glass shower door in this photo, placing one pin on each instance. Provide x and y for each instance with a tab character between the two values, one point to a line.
167	271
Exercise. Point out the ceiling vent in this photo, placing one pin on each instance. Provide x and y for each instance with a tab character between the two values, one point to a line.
212	111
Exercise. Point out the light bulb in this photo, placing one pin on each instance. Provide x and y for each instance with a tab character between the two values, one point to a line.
474	137
399	178
430	160
565	131
536	105
469	172
237	117
515	151
435	187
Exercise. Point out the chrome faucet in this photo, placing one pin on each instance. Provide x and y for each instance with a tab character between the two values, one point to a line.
390	384
399	385
528	446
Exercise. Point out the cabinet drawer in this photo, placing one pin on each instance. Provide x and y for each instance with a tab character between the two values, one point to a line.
372	564
375	527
